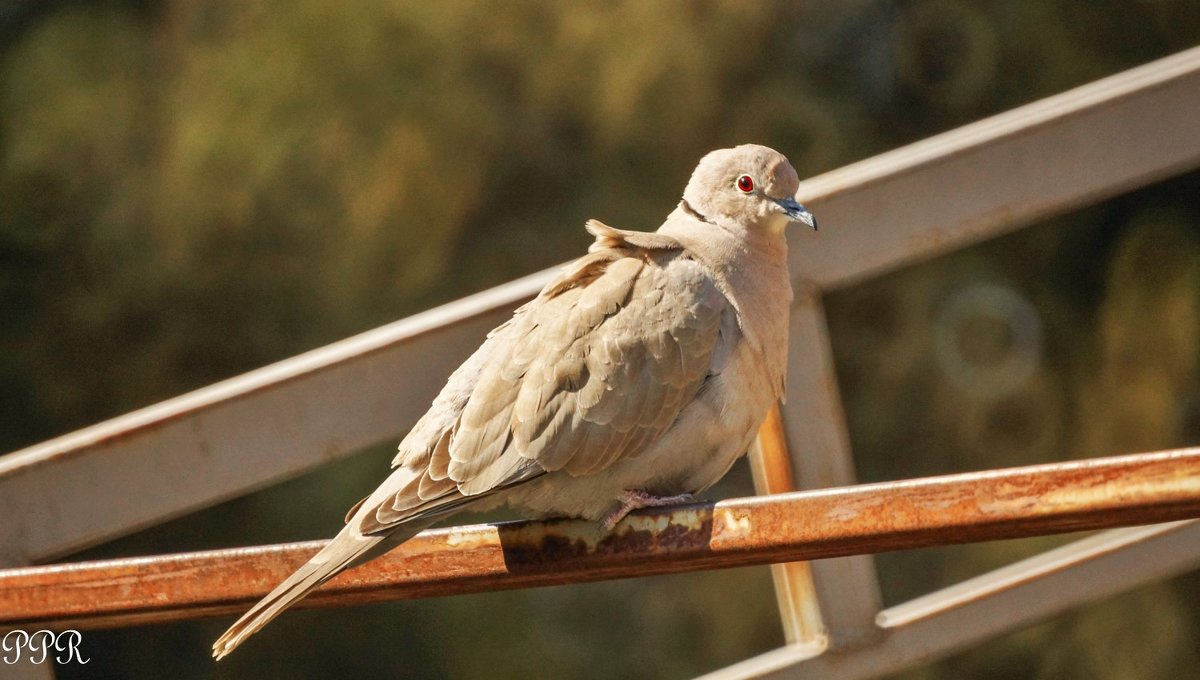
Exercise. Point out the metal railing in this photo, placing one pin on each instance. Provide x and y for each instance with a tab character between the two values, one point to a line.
1040	499
1060	153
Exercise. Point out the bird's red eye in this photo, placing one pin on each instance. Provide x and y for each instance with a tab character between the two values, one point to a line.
745	184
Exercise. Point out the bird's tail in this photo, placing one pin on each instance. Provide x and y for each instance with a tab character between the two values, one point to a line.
346	549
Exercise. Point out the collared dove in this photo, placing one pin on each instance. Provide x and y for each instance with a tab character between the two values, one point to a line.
634	379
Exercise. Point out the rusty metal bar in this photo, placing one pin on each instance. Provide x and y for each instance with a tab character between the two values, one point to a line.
1000	173
995	603
1039	499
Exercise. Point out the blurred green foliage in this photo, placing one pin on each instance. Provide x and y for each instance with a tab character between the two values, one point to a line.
192	189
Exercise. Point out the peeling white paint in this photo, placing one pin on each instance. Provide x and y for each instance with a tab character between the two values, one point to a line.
472	539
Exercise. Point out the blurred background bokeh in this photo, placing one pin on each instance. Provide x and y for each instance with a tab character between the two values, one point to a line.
192	189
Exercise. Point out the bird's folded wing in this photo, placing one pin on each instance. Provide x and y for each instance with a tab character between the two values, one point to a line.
592	370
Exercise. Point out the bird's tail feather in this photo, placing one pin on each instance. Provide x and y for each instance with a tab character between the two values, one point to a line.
347	549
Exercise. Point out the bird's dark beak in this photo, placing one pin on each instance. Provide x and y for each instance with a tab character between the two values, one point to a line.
797	212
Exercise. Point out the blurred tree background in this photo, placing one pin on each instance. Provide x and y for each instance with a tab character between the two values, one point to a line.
189	190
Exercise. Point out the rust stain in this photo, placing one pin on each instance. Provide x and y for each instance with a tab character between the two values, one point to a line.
471	539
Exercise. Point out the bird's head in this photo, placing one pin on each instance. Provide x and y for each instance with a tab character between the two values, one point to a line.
748	185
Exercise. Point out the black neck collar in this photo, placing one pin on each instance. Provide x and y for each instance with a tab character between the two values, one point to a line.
687	208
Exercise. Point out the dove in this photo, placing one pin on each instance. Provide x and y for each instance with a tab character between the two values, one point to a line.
636	378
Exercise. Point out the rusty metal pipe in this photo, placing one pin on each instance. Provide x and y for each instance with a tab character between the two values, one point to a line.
960	508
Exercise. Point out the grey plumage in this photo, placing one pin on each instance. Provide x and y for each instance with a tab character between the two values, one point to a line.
641	373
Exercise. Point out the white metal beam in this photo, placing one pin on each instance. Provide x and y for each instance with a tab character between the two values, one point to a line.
238	435
847	588
993	176
995	603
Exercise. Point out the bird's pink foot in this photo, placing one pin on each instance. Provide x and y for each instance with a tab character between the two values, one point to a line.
632	499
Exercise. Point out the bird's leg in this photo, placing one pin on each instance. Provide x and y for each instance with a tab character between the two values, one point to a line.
632	499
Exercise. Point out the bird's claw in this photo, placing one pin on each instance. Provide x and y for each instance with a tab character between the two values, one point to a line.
634	499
